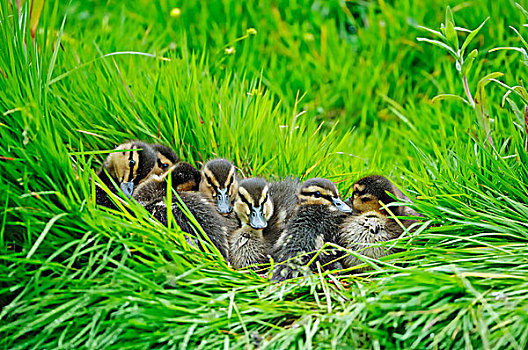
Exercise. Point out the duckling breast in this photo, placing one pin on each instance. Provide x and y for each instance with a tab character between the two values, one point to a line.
363	233
248	247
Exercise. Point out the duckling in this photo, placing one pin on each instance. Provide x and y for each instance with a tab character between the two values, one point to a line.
254	208
316	220
184	178
368	191
152	194
219	182
166	158
371	224
128	169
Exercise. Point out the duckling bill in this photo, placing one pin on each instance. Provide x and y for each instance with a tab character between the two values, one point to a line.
131	164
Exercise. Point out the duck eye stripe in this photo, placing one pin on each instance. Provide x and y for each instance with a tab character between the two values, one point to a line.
210	182
321	195
139	165
312	193
244	199
131	170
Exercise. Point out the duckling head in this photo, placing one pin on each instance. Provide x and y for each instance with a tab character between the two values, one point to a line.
321	191
219	182
166	158
131	164
185	177
253	205
369	191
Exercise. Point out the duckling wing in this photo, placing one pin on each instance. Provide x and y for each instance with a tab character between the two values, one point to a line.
246	248
237	240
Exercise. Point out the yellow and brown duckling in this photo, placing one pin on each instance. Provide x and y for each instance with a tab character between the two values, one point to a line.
371	223
316	220
215	226
254	208
219	183
370	190
131	164
166	158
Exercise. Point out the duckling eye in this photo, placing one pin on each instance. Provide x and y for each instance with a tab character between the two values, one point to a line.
164	166
317	194
131	163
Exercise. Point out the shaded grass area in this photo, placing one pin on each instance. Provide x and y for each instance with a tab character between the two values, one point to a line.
323	89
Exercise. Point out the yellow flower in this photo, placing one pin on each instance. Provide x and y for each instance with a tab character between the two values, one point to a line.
175	12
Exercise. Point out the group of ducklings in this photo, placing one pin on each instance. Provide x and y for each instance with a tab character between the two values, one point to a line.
251	221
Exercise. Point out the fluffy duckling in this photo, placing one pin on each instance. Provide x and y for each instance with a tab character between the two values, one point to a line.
166	158
131	164
316	220
370	190
372	224
152	194
219	183
254	208
184	178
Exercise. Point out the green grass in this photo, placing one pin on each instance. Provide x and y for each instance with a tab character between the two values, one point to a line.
327	89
